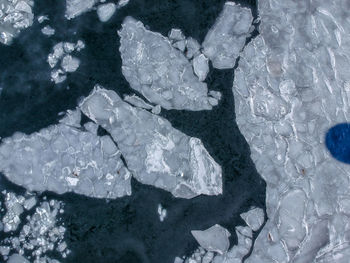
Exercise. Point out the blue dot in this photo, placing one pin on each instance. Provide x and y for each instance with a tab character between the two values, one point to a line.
338	142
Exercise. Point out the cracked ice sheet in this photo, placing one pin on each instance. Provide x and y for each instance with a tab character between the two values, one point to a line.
227	37
162	73
291	85
15	15
155	152
66	158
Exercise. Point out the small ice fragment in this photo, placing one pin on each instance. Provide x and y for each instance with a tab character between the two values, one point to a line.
156	109
215	94
180	45
48	30
161	212
193	47
214	239
122	3
79	45
29	203
58	76
69	63
75	8
42	19
137	101
254	218
200	67
106	11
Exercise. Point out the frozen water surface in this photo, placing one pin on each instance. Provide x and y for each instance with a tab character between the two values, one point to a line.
155	152
290	87
66	158
159	71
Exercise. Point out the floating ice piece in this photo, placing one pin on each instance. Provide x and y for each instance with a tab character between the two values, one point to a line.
14	208
29	203
75	8
200	67
106	11
176	34
69	63
214	239
192	47
227	37
122	3
155	152
42	19
14	17
254	218
63	158
161	212
48	30
17	258
157	70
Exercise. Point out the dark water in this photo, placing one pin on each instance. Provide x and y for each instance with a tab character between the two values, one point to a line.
338	142
128	229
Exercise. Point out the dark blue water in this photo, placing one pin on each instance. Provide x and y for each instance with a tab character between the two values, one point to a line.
338	142
128	229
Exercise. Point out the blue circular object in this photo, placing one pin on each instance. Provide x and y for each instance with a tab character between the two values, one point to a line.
338	142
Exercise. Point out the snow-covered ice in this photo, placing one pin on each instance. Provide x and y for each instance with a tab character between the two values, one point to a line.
106	11
66	158
160	72
155	152
15	15
227	37
290	87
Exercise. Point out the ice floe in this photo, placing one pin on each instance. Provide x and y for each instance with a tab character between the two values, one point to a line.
155	152
160	72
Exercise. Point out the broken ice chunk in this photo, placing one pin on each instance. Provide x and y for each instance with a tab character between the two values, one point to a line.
62	158
176	34
72	118
29	203
254	218
157	70
14	208
48	30
75	8
192	47
155	152
42	19
200	66
122	3
69	63
227	37
106	11
58	76
214	239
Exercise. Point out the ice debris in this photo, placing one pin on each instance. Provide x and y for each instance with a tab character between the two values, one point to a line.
75	8
200	66
161	212
42	233
213	239
155	152
291	86
66	158
62	53
15	15
48	30
106	11
160	72
14	209
228	35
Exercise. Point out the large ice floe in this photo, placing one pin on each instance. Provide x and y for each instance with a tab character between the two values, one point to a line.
15	15
161	72
155	152
225	40
40	234
292	84
66	158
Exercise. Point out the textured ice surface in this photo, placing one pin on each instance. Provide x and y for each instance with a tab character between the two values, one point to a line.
200	67
254	218
106	11
75	8
291	86
214	239
227	37
14	209
15	15
17	258
41	234
155	152
61	53
163	75
66	158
